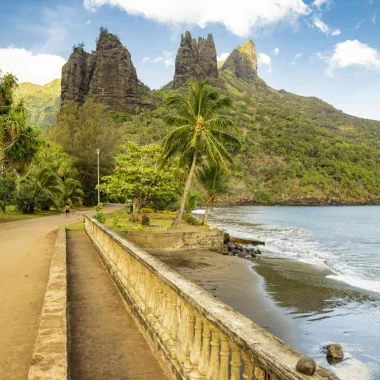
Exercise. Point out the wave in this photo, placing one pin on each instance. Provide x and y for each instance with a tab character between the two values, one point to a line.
371	285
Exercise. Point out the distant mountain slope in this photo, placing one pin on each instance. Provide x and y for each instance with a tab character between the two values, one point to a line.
42	102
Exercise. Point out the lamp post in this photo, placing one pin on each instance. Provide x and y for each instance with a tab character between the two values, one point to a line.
98	152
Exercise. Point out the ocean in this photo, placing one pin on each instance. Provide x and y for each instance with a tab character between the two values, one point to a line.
321	265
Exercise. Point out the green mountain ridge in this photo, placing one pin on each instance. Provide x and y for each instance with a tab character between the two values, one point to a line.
296	149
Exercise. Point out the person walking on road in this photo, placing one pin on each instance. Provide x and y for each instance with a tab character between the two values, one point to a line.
67	211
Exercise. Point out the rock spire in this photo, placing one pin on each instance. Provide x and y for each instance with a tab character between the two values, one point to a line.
195	59
243	62
107	74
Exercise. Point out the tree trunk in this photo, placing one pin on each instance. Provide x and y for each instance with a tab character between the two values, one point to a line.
189	180
208	208
136	205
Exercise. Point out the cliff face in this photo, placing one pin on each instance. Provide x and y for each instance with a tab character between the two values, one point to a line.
195	60
243	62
107	74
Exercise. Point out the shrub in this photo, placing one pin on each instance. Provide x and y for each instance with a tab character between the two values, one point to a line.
26	199
99	216
7	187
191	219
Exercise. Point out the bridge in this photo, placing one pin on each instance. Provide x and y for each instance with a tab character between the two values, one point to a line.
91	305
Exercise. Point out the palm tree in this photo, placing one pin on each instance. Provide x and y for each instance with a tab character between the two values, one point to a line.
201	133
50	188
73	193
214	179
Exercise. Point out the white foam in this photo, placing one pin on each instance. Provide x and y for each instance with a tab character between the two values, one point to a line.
371	285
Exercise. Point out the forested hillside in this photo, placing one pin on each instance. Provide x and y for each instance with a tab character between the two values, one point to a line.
296	150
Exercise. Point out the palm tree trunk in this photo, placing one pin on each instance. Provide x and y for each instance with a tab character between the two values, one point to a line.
208	208
136	205
189	180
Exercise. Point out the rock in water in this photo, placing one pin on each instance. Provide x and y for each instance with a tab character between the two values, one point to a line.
243	62
306	366
335	351
107	74
195	60
145	220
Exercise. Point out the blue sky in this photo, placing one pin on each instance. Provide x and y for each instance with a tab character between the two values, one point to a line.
324	48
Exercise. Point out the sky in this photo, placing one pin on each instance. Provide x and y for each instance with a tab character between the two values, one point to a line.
324	48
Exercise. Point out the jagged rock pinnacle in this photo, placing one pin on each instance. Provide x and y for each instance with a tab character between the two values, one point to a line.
243	62
107	74
195	59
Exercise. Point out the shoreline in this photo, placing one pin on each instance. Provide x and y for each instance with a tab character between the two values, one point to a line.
233	281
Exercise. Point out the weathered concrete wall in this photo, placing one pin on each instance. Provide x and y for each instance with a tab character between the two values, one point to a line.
193	334
178	240
49	360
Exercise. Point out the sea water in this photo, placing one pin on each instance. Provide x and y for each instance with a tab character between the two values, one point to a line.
337	298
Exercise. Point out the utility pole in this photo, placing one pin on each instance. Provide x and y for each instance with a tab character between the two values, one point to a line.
98	152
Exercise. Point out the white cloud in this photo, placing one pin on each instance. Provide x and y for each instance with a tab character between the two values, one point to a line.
351	53
296	58
264	60
167	58
88	22
39	69
359	24
319	3
276	51
324	28
373	18
318	23
241	18
222	57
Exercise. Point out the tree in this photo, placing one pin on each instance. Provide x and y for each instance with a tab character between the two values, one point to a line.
50	187
72	192
201	134
7	187
138	175
214	180
18	142
80	130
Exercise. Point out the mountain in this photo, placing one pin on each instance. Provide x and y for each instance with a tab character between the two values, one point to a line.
195	60
108	74
42	102
296	149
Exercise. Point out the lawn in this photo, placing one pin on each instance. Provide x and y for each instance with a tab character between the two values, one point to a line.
13	215
120	221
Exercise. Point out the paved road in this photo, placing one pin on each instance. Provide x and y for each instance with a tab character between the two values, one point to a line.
105	342
26	249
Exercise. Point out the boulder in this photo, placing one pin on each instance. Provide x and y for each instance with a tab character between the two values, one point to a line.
226	237
306	366
145	220
335	351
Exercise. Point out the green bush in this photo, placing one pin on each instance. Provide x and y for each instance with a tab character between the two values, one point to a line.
26	199
191	219
7	187
99	216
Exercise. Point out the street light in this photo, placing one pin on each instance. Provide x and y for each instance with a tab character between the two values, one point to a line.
98	152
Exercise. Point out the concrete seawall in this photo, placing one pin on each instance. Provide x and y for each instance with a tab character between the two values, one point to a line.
193	334
49	360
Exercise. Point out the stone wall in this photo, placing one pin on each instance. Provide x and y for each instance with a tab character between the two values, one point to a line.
49	360
179	240
194	335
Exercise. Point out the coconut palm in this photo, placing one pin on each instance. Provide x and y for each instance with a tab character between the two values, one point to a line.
201	134
73	193
214	180
50	189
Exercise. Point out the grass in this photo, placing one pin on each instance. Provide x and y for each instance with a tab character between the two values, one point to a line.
78	226
13	215
119	221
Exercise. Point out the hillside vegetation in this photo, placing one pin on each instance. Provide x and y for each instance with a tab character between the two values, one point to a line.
42	102
296	150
